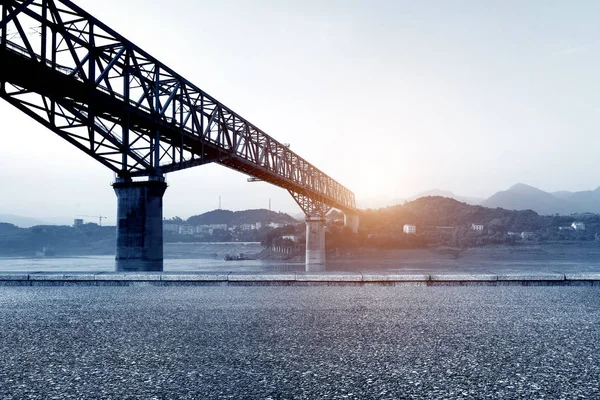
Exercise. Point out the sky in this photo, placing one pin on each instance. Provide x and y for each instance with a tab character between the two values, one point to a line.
390	98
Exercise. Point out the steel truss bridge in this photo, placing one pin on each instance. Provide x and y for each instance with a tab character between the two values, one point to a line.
121	106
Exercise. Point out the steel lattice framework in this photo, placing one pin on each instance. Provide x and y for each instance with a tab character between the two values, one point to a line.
121	106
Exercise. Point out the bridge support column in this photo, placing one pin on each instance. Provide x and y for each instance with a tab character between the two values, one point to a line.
315	243
139	224
352	222
315	211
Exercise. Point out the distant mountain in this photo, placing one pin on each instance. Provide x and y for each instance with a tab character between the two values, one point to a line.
387	201
429	213
444	223
525	197
240	217
562	194
517	197
441	211
22	222
585	201
448	194
88	239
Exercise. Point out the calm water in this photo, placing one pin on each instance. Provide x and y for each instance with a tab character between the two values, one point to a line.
178	257
209	257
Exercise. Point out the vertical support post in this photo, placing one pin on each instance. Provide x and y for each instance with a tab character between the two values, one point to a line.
44	32
139	224
155	159
315	211
125	120
315	243
3	40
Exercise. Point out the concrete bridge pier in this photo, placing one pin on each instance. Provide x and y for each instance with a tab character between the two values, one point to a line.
352	222
139	224
315	243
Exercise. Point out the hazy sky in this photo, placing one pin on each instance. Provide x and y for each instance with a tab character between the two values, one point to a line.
387	97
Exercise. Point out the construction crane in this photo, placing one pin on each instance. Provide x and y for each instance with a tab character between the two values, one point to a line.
100	218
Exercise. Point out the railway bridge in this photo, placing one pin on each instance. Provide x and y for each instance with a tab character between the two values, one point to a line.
139	118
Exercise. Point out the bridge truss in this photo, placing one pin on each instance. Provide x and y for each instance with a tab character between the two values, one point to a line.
114	101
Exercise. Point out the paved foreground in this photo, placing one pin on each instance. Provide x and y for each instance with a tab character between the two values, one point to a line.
299	342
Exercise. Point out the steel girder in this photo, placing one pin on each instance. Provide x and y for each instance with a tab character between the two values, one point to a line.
121	106
312	207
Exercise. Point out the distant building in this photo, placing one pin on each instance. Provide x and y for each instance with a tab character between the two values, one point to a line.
410	229
477	227
578	226
293	238
77	222
527	235
211	227
171	227
187	230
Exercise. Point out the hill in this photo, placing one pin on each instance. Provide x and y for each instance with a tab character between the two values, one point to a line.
22	222
8	229
448	194
387	201
64	240
436	211
525	197
443	221
585	201
240	217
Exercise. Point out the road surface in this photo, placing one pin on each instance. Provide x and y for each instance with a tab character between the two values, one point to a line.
299	342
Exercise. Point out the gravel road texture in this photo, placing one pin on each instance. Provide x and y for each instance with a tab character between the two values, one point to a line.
299	342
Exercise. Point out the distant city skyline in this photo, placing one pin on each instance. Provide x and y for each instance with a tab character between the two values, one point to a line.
389	98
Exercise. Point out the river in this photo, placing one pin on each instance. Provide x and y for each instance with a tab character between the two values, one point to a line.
178	257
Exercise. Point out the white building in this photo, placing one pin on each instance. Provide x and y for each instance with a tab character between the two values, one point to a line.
187	230
527	235
578	226
477	227
170	227
211	227
410	229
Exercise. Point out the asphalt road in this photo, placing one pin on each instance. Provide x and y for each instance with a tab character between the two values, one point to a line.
300	342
